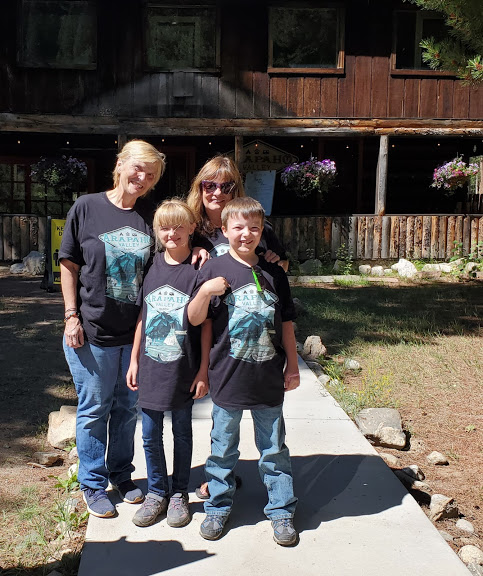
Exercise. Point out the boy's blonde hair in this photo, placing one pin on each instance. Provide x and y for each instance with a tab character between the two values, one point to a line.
173	212
243	206
142	152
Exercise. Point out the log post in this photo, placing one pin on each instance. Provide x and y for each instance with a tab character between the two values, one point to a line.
121	140
238	151
381	176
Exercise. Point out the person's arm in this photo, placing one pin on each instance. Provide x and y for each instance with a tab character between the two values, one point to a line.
275	252
200	384
199	254
291	372
198	307
69	277
132	373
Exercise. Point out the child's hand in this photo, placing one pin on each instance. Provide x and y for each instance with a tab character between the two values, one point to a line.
215	286
270	256
132	376
199	254
200	386
292	380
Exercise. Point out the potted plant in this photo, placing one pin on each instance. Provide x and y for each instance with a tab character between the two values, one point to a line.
453	174
303	178
64	174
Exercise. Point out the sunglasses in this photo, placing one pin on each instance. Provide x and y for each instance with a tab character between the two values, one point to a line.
225	187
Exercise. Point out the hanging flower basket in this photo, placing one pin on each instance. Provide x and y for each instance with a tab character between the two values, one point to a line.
453	175
313	175
65	174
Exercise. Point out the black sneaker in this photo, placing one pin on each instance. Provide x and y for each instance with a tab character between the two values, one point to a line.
129	492
98	503
284	532
150	509
212	526
178	510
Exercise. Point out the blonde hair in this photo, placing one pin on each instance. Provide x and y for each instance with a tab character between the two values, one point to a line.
142	152
218	168
172	212
246	207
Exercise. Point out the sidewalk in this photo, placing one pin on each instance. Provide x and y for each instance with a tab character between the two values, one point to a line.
354	516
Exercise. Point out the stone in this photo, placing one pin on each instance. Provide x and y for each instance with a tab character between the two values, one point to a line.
310	267
456	263
465	526
377	271
446	268
300	347
324	379
404	268
46	458
389	459
388	272
364	269
17	268
430	274
34	263
410	482
437	459
313	348
471	555
471	267
338	266
73	469
414	471
441	507
382	426
315	367
429	267
350	364
61	431
446	535
73	455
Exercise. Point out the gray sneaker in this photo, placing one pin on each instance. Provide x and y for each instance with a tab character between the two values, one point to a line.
284	532
178	510
152	507
212	526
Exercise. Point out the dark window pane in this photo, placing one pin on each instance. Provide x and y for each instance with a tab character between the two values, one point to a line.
18	207
5	190
19	191
304	38
53	193
405	39
4	207
37	190
54	209
5	172
19	172
38	208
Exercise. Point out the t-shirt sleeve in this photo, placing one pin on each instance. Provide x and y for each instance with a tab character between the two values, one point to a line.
70	245
272	241
287	307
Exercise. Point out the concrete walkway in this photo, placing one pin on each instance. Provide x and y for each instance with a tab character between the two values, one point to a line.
354	516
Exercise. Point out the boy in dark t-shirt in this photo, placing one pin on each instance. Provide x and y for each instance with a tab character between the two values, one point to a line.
250	305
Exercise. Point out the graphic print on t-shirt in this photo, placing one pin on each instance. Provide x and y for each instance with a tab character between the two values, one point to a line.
219	250
127	251
251	321
164	324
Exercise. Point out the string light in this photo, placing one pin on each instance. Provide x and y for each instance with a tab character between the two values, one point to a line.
115	141
301	145
18	141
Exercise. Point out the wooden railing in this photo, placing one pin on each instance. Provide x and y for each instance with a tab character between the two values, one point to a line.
368	237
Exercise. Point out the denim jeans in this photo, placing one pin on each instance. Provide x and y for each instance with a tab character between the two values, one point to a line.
154	450
274	465
106	413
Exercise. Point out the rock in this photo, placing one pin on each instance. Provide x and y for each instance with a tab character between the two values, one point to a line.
471	555
338	266
475	569
405	269
414	471
46	458
456	263
34	263
310	267
351	364
377	271
324	379
62	427
387	272
300	347
73	455
442	506
411	482
430	267
18	268
315	367
389	459
382	426
313	348
471	267
465	526
430	274
446	268
437	459
73	469
299	307
365	269
446	536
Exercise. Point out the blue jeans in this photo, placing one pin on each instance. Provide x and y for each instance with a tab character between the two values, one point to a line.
107	409
154	450
274	465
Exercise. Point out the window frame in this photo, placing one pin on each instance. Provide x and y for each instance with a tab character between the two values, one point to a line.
339	68
153	68
420	15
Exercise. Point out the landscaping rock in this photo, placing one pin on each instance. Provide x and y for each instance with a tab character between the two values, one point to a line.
389	459
471	267
387	272
73	455
465	526
313	348
364	269
441	507
405	269
324	379
410	482
414	471
34	263
471	555
437	459
446	536
338	266
430	274
300	347
17	268
310	267
377	271
350	364
315	367
46	458
382	426
61	431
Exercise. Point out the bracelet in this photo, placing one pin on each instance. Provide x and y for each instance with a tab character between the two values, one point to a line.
70	310
70	315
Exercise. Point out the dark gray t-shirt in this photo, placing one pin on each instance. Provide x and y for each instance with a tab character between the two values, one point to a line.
247	358
112	247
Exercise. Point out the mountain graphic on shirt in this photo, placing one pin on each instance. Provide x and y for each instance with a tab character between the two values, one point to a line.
127	251
219	250
251	323
164	332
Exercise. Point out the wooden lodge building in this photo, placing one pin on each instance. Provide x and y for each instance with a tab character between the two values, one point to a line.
342	80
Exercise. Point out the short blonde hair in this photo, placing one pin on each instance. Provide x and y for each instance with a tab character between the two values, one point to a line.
246	207
142	152
172	212
218	168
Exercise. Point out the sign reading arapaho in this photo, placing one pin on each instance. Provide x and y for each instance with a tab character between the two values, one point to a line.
258	155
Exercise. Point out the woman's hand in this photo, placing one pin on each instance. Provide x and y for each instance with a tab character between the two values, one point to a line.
132	377
74	333
270	256
200	386
199	254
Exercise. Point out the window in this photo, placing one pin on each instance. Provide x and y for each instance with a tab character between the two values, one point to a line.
306	39
410	28
57	34
181	38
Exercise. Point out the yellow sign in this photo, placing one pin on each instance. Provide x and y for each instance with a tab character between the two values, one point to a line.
56	231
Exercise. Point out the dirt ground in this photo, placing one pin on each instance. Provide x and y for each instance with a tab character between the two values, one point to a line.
35	381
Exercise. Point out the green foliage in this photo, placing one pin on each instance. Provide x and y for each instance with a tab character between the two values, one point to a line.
344	256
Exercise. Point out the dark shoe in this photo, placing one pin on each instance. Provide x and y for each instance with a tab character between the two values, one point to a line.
284	532
151	508
203	493
129	492
212	526
178	510
98	503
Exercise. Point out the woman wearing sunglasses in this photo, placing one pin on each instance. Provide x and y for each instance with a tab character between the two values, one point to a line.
218	182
